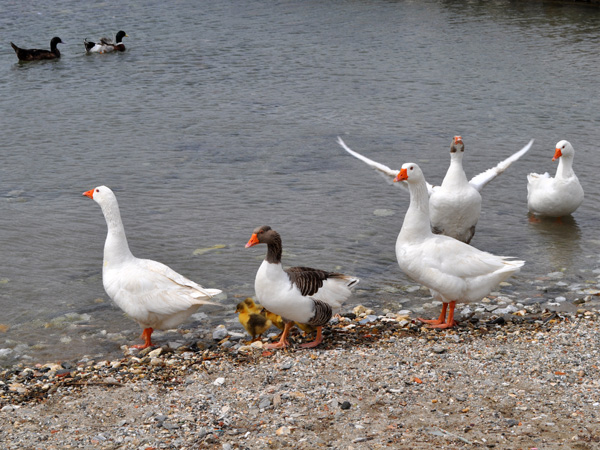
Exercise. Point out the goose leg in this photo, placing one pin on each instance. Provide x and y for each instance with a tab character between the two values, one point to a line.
283	342
450	322
317	340
439	320
146	335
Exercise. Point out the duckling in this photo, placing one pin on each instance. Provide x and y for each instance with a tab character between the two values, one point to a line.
253	317
275	319
35	54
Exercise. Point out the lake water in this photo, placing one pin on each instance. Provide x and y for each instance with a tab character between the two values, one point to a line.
222	116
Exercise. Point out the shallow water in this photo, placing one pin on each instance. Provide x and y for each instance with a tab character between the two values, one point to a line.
222	116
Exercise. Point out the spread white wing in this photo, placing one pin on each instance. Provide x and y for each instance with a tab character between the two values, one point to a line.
479	181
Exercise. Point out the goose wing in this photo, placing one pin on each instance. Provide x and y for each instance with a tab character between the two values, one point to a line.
388	173
479	181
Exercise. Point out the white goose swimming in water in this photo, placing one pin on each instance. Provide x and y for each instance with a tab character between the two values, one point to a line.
555	196
149	292
455	206
297	294
454	271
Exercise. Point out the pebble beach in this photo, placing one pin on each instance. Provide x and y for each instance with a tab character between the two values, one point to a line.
526	379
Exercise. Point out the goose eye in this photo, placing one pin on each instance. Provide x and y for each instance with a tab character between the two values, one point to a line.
411	167
97	190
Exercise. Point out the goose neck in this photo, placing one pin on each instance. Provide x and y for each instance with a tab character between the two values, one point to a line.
274	250
565	167
116	247
455	173
416	221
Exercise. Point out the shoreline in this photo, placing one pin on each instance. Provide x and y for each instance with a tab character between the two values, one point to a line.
529	380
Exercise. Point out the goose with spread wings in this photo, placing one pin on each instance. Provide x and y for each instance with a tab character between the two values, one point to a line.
454	206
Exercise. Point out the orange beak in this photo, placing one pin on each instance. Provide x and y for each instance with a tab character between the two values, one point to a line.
89	194
457	139
557	154
253	241
402	176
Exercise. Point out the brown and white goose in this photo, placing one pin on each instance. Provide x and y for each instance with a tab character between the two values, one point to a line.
297	294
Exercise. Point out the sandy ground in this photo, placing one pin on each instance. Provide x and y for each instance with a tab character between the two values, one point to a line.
527	382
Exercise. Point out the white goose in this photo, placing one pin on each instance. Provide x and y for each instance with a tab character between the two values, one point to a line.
558	196
149	292
452	270
297	294
455	206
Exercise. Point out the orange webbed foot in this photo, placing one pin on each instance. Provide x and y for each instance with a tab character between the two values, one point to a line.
283	342
146	336
430	321
278	344
443	326
317	340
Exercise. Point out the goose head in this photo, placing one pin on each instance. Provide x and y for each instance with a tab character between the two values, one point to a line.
264	235
563	148
410	172
457	148
101	195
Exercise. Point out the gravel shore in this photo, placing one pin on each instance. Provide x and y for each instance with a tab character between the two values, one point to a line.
516	381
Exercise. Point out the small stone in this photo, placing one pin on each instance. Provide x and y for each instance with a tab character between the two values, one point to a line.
245	348
438	349
155	353
345	405
512	422
264	403
170	426
174	345
287	365
359	310
368	319
283	431
508	310
219	381
220	333
234	336
7	408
